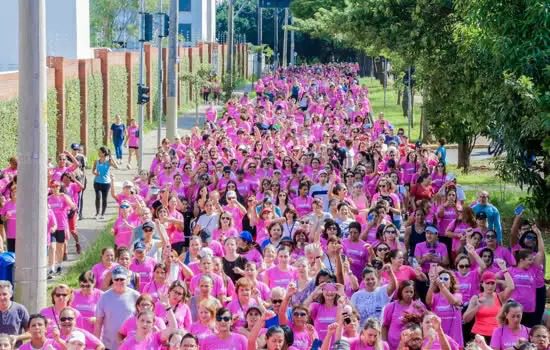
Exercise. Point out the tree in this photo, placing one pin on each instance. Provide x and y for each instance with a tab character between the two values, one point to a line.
199	79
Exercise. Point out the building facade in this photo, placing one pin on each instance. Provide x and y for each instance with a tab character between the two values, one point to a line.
197	21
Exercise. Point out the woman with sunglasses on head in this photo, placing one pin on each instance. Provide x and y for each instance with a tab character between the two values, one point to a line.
85	300
395	313
147	335
511	330
124	225
67	325
224	338
445	302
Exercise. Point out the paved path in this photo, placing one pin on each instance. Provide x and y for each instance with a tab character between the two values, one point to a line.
89	228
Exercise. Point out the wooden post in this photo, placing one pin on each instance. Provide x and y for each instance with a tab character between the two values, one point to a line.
83	78
223	46
103	55
201	58
190	56
128	58
60	93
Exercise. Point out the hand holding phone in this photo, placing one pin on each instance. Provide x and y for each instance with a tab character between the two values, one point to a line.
519	210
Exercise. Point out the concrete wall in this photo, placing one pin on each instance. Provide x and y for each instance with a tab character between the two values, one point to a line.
67	31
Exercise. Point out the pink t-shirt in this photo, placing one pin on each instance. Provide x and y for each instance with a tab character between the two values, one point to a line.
182	313
129	326
504	337
302	339
357	255
92	342
436	345
235	341
278	278
239	310
86	305
123	233
404	273
468	285
60	209
133	136
451	316
422	249
357	344
217	289
322	317
155	290
100	271
525	291
152	341
302	205
9	211
144	269
49	342
391	318
200	330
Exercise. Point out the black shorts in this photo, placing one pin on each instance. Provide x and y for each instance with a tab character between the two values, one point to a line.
133	147
58	236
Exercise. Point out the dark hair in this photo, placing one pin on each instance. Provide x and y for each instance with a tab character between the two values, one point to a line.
355	225
324	273
35	316
222	311
87	276
105	150
271	331
522	254
402	286
289	335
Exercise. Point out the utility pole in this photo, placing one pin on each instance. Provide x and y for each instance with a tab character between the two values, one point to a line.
172	89
141	66
32	153
409	104
260	40
230	40
276	36
285	39
385	79
292	49
159	80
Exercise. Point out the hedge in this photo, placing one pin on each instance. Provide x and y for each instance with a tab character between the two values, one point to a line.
72	111
117	92
95	113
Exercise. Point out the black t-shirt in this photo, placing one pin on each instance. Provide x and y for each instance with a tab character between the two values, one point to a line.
229	265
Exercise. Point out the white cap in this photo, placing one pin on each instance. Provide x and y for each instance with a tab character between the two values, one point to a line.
77	336
127	183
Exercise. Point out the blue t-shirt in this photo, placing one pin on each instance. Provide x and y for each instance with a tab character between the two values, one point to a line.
441	153
118	131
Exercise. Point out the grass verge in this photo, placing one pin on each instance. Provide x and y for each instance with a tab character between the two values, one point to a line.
89	258
392	110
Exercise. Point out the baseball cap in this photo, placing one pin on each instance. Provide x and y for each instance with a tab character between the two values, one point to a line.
120	272
124	204
481	215
139	246
246	236
75	146
127	183
286	240
148	224
77	336
488	276
431	229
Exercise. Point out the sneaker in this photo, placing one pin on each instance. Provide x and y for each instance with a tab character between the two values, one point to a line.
97	216
101	217
58	270
78	248
128	166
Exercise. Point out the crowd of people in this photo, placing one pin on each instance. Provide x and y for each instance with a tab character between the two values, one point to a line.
297	219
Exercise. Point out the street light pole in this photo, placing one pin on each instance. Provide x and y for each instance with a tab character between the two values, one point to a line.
159	80
141	65
292	49
260	40
172	93
285	38
230	40
32	153
276	36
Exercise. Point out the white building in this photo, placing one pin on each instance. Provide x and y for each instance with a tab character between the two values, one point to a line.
197	20
67	31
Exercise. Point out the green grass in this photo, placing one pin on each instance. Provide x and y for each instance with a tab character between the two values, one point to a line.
88	259
392	111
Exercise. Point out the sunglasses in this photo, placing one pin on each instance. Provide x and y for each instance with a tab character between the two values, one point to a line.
276	301
391	232
299	314
226	218
463	266
65	319
444	279
85	285
124	206
148	230
490	237
382	249
223	318
119	279
61	295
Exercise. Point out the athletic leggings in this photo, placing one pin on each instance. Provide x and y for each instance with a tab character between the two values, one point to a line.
102	189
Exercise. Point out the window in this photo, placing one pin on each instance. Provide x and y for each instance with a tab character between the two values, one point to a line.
185	5
185	30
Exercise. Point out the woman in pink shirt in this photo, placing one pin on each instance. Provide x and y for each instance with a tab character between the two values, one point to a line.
124	226
225	228
85	300
143	303
132	141
304	333
402	272
371	337
158	287
511	330
243	299
302	203
395	313
323	306
146	337
61	204
205	324
281	274
177	298
207	268
445	302
107	263
224	338
9	214
61	297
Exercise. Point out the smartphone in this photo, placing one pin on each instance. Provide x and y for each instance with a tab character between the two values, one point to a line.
519	209
316	345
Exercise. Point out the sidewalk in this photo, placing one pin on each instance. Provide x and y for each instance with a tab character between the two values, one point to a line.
89	228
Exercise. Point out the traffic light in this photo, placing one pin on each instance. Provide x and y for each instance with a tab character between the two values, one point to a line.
147	27
165	28
143	94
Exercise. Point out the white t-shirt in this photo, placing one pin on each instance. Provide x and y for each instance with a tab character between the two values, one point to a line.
370	304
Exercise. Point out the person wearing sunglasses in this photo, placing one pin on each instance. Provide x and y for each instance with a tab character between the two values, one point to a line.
499	252
445	302
61	297
123	228
225	338
67	328
85	300
304	332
